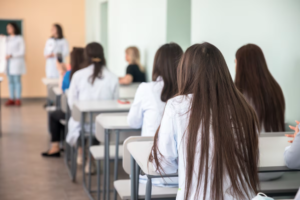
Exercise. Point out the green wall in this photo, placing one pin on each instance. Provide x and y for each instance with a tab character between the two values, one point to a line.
104	27
3	24
179	22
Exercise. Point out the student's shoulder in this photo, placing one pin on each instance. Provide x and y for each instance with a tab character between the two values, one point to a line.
179	103
82	71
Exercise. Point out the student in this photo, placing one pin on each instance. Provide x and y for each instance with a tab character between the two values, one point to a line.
95	82
55	127
15	51
208	132
263	93
150	98
135	71
57	47
292	153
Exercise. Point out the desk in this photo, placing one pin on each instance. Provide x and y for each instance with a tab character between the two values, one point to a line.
128	91
107	123
83	108
271	158
50	83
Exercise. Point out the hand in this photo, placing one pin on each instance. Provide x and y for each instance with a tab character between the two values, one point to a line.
8	57
51	55
296	129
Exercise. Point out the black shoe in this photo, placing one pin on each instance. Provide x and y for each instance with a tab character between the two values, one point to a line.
53	155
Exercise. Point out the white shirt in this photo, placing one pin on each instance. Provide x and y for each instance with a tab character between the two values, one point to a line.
173	148
55	46
16	48
81	89
147	109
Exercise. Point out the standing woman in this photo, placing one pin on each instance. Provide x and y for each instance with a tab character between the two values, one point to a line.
135	72
15	50
57	47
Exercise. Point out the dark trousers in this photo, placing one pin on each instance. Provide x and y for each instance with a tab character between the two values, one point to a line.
56	128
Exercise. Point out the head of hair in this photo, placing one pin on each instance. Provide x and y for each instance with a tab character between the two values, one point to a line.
259	87
59	31
134	54
219	116
94	54
165	66
76	58
15	27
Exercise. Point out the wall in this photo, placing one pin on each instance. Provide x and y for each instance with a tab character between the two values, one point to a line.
271	24
38	16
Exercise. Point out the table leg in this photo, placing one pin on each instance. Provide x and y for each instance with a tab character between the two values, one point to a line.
89	153
137	180
148	189
116	161
107	164
133	179
83	146
98	180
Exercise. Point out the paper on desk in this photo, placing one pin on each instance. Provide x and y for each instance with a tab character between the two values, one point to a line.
2	54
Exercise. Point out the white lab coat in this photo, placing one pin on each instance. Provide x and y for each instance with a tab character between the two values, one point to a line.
147	109
81	89
172	146
16	48
55	46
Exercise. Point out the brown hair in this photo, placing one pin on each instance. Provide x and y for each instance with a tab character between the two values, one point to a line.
76	57
218	106
259	87
134	54
165	65
94	54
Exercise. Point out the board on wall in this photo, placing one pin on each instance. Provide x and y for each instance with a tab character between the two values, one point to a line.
4	22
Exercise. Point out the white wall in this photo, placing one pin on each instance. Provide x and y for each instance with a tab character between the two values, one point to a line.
139	23
271	24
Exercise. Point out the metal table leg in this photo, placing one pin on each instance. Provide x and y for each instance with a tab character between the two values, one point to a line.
107	164
116	161
133	179
89	153
148	189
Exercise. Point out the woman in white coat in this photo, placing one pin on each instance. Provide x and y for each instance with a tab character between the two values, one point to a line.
208	133
95	82
15	50
57	47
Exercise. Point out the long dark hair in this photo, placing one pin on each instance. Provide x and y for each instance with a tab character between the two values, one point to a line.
218	112
94	54
259	87
59	31
76	57
165	65
15	27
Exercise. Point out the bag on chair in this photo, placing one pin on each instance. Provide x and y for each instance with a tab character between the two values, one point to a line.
262	196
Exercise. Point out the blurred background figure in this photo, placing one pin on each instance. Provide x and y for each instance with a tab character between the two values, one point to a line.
15	50
135	73
56	49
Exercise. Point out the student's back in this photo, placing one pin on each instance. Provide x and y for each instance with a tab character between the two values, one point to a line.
208	132
149	102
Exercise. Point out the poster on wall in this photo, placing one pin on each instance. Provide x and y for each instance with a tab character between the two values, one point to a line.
2	53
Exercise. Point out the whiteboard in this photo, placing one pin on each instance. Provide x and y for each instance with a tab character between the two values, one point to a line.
2	54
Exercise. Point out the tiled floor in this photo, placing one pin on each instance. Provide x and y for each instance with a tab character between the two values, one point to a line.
24	174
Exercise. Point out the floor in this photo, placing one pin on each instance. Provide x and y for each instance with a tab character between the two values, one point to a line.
24	174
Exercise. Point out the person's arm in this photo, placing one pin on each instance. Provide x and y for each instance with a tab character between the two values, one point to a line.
292	153
20	52
65	49
126	80
167	142
47	53
135	116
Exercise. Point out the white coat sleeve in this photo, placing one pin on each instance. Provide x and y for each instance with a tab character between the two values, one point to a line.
65	49
167	141
46	49
135	116
73	92
20	52
292	154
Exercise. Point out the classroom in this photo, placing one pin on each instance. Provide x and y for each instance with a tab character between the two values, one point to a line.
149	99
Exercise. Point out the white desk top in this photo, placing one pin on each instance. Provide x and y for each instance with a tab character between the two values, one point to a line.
101	106
113	121
271	153
57	91
128	91
49	81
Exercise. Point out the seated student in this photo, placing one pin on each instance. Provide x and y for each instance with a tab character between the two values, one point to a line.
292	153
262	92
150	98
135	73
55	126
208	132
95	82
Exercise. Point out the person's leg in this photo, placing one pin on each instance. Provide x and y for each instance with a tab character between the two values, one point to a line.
11	90
18	88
